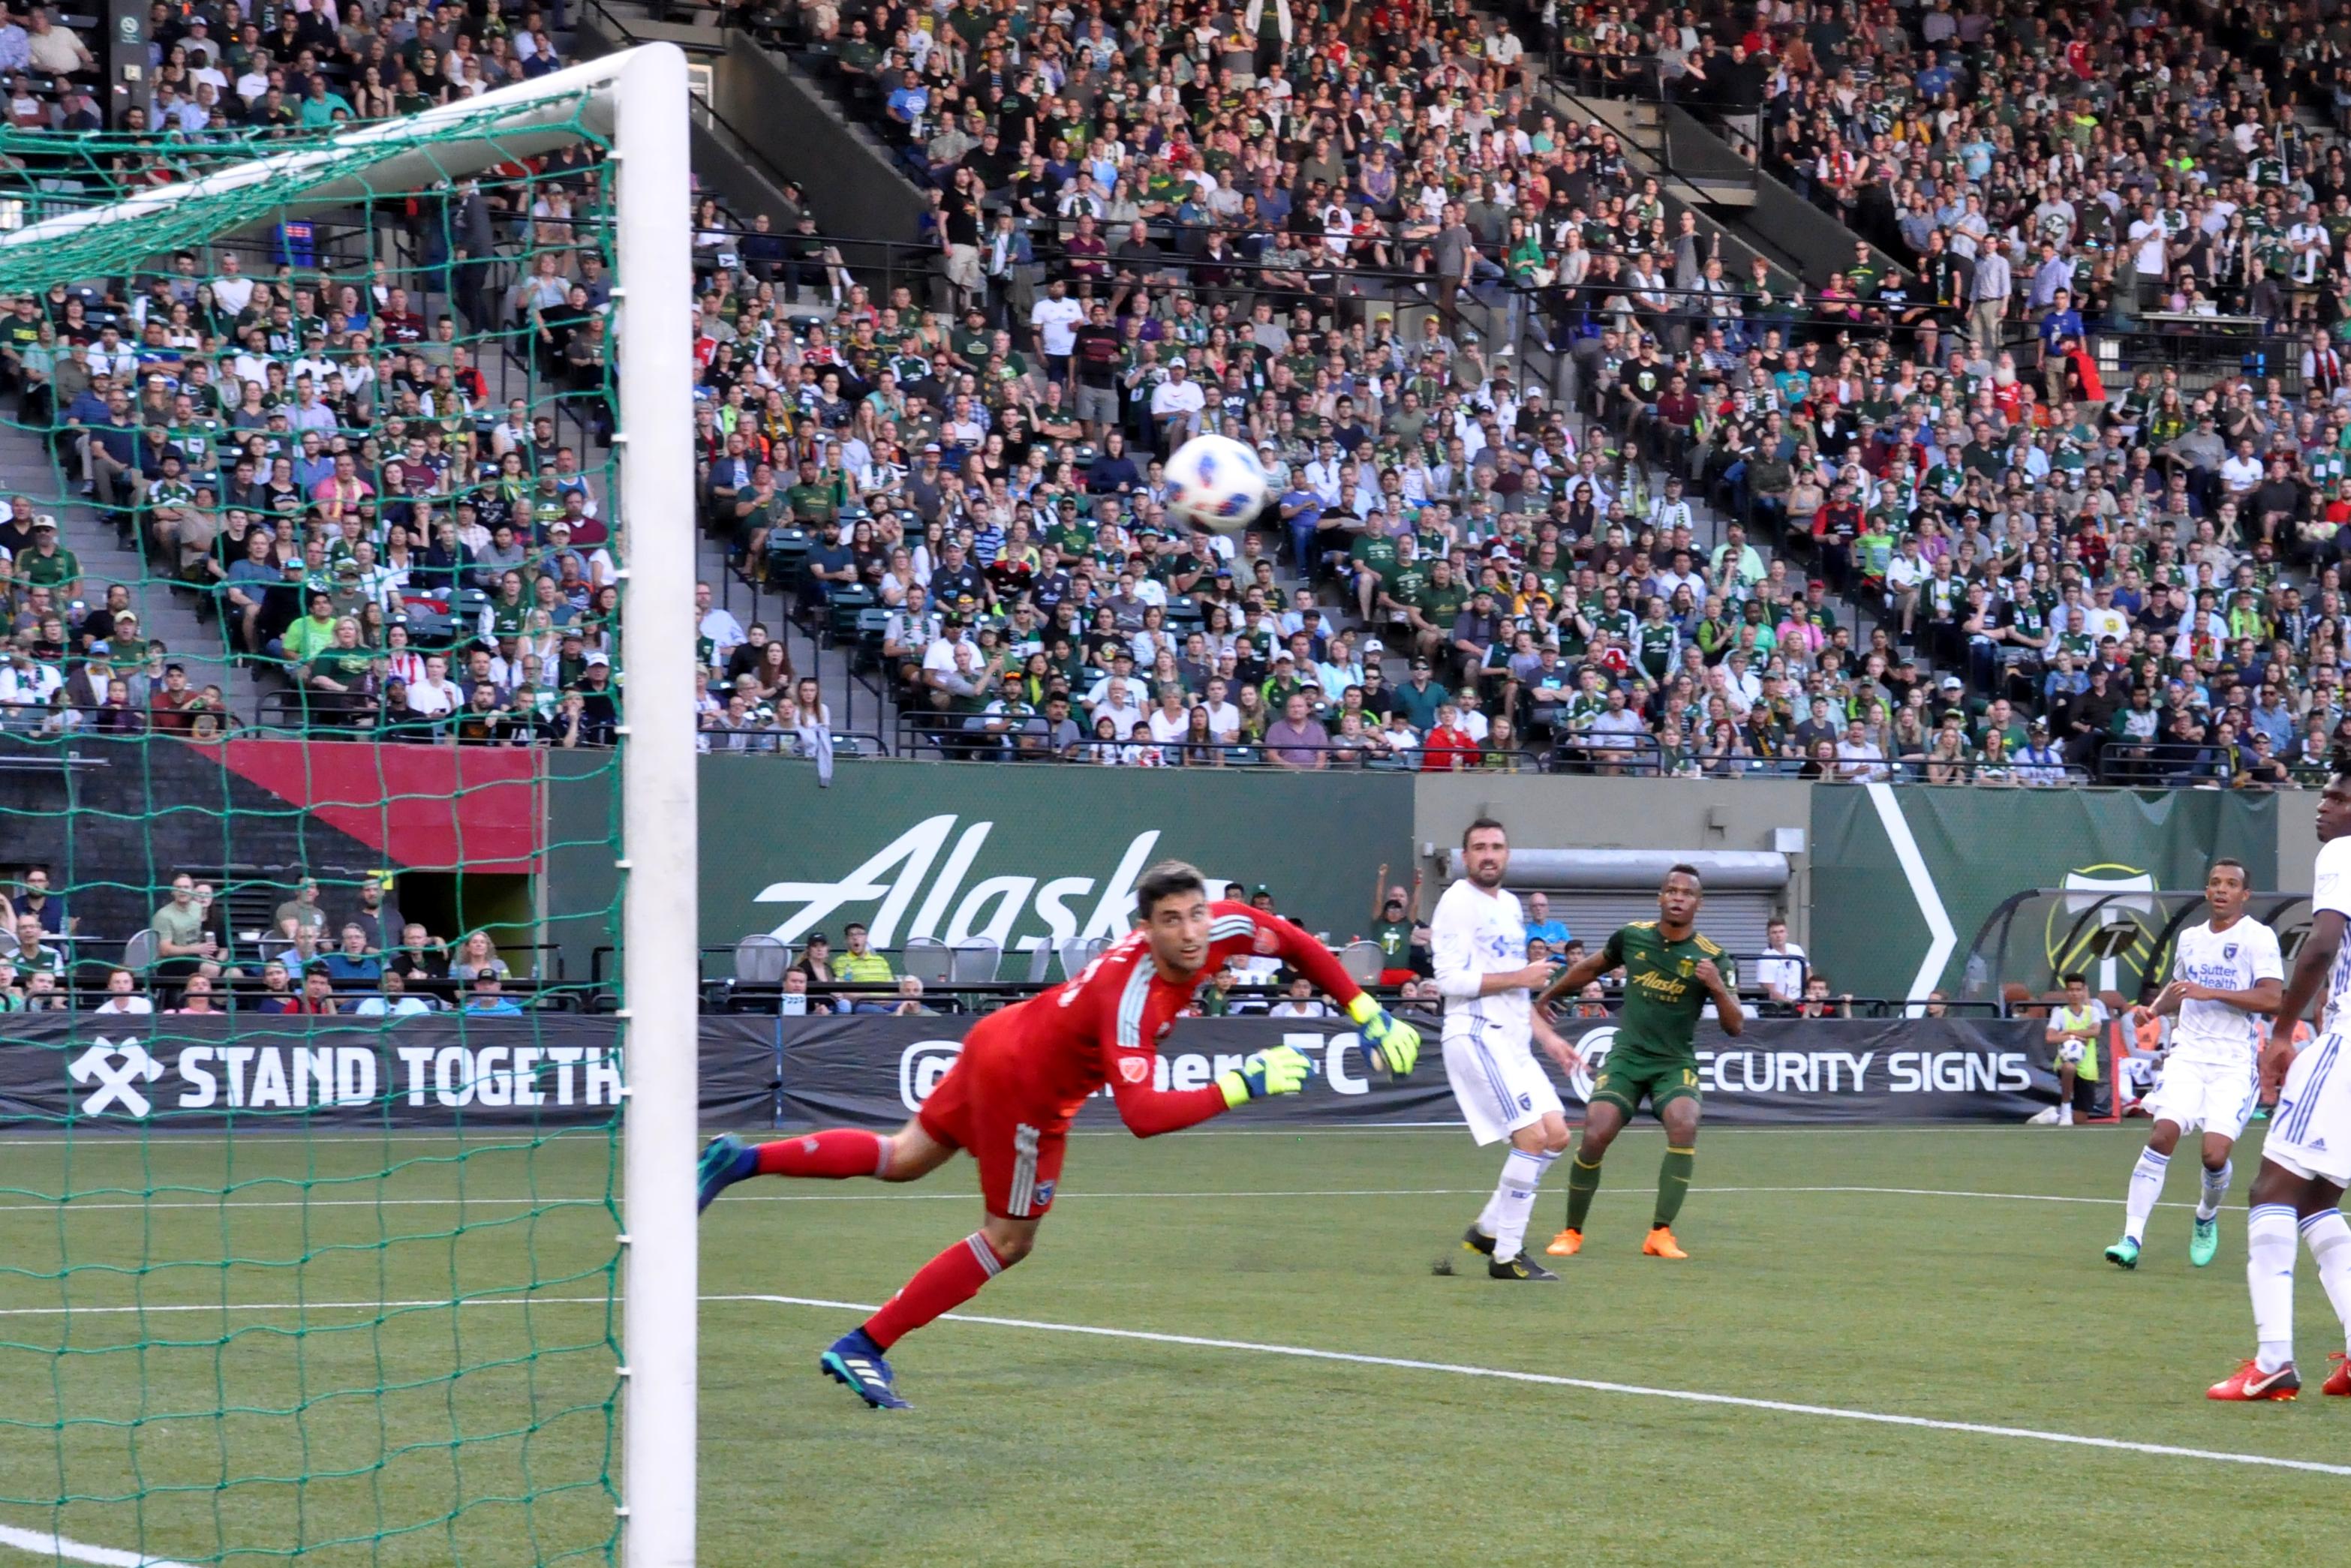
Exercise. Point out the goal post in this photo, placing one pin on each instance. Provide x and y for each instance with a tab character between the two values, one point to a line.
94	215
659	809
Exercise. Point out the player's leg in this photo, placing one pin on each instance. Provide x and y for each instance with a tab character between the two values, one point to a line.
1678	1112
1020	1166
2068	1054
2146	1187
1533	1148
1604	1118
2328	1237
1504	1096
2306	1165
2221	1131
2282	1196
834	1154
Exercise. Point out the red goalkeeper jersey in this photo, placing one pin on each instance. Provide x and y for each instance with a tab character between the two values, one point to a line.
1104	1026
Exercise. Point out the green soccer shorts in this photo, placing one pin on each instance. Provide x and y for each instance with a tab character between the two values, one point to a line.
1629	1076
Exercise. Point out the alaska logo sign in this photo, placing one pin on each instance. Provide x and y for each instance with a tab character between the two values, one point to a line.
1020	856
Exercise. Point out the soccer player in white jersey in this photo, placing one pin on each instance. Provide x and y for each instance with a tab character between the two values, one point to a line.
2225	976
2306	1157
1477	940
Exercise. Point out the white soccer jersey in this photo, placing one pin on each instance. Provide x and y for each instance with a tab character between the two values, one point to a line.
2233	960
2331	889
1474	934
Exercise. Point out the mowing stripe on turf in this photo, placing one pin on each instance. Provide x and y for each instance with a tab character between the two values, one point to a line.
598	1199
1304	1352
59	1548
1595	1386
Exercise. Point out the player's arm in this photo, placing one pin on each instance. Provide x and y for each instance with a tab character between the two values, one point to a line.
1555	1044
2166	1003
2310	965
1458	978
2264	997
1727	1010
1582	972
1395	1043
1148	1111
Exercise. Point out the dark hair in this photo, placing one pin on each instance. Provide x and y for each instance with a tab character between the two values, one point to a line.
1683	868
2243	875
1169	878
1481	825
2070	979
853	927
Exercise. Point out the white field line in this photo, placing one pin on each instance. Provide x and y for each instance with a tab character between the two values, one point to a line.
78	1205
59	1548
1304	1352
488	1139
1635	1390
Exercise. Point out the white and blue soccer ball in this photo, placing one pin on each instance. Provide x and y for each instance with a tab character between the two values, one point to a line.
1215	482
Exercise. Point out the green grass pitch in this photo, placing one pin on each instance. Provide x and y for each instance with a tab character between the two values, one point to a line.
1813	1282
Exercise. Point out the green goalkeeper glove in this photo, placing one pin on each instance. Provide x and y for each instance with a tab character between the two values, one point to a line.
1281	1071
1388	1041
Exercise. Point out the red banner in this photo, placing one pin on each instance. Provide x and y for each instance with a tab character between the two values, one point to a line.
423	808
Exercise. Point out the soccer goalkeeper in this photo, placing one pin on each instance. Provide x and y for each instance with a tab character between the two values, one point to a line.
1023	1074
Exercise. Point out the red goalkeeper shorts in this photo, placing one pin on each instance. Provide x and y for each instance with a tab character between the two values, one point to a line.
981	1107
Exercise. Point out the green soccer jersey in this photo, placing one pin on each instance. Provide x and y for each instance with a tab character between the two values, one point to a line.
1662	995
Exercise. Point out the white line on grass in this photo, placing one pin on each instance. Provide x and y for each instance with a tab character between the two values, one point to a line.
1685	1396
598	1199
1304	1352
58	1547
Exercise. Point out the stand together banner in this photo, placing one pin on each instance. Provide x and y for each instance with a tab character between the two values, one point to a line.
431	1070
876	1072
448	1070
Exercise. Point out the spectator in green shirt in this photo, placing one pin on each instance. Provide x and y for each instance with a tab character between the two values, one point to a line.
51	565
314	634
861	965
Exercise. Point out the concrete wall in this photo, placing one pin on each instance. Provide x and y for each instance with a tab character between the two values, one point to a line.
852	187
1549	813
2297	839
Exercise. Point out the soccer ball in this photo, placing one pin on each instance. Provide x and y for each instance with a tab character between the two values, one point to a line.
1215	482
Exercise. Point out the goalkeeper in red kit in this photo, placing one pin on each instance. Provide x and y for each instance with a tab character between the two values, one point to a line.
1024	1071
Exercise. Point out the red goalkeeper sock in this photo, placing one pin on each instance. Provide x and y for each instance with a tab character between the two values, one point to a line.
941	1285
843	1152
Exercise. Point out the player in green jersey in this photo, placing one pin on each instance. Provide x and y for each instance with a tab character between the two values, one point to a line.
1671	973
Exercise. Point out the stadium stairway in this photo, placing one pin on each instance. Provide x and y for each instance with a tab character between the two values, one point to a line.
25	469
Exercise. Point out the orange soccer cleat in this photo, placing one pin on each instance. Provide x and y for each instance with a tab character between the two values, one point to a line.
2338	1382
1566	1244
1661	1243
2249	1382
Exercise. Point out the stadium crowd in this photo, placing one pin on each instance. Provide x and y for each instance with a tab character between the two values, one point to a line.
1958	555
307	446
1890	523
273	956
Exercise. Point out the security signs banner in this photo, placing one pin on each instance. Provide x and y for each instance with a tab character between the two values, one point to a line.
876	1072
1853	1069
442	1071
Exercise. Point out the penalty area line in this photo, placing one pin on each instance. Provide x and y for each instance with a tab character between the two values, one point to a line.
1595	1386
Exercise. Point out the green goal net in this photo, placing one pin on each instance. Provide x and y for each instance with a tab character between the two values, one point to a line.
313	1190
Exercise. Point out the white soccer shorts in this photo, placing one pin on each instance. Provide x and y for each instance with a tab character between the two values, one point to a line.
2310	1132
2206	1095
1497	1083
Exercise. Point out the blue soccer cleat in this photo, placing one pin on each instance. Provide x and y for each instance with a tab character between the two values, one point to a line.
855	1361
726	1161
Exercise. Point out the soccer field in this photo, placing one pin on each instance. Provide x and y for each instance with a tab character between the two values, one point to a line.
1120	1398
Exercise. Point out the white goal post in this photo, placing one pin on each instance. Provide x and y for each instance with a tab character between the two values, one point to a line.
638	102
